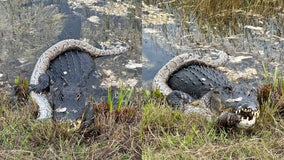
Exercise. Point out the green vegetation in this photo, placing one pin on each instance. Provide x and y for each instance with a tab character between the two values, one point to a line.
155	131
205	9
151	128
171	134
124	96
124	92
109	100
115	135
222	17
112	135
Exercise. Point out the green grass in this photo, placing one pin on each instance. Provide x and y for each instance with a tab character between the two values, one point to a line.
124	96
155	131
109	99
170	134
151	128
115	135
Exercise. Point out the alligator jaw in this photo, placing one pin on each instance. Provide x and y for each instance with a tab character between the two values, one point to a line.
247	117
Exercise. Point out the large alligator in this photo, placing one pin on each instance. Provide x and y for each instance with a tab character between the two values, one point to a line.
64	76
192	82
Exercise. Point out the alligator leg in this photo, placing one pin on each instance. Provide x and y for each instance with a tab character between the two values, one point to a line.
177	99
43	84
88	115
228	120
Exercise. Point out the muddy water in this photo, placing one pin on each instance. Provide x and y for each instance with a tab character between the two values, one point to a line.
29	27
251	40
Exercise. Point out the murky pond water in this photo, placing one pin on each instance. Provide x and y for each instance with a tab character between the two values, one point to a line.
252	40
29	27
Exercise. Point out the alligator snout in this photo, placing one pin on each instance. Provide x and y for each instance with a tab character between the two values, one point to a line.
69	103
247	115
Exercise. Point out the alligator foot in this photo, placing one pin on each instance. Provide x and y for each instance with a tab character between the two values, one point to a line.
88	114
228	120
43	84
178	99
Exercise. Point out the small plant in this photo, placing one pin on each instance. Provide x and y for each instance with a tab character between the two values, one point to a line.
21	87
275	79
282	83
124	92
124	96
130	93
109	99
265	72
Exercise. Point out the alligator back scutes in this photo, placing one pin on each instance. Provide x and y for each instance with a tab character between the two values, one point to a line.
44	61
197	80
65	45
161	78
73	68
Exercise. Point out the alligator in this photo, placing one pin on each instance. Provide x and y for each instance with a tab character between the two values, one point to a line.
64	78
193	83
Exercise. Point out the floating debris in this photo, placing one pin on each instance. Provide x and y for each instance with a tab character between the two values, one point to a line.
114	8
132	65
22	60
107	72
155	15
256	29
94	19
239	59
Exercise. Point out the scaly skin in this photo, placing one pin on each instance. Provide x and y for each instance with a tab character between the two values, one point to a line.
187	78
161	78
42	65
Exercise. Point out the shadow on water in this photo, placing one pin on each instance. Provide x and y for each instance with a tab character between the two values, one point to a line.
252	34
28	28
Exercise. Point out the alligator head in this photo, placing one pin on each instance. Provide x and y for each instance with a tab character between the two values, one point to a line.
69	103
234	106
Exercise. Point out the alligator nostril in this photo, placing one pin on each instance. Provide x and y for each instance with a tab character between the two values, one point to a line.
78	96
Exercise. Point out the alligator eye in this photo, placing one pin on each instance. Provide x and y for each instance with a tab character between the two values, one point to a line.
252	91
78	96
228	88
216	92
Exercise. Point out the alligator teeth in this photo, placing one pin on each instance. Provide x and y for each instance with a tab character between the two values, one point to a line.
246	123
256	114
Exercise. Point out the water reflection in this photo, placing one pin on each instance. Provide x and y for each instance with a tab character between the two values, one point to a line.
28	28
249	38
